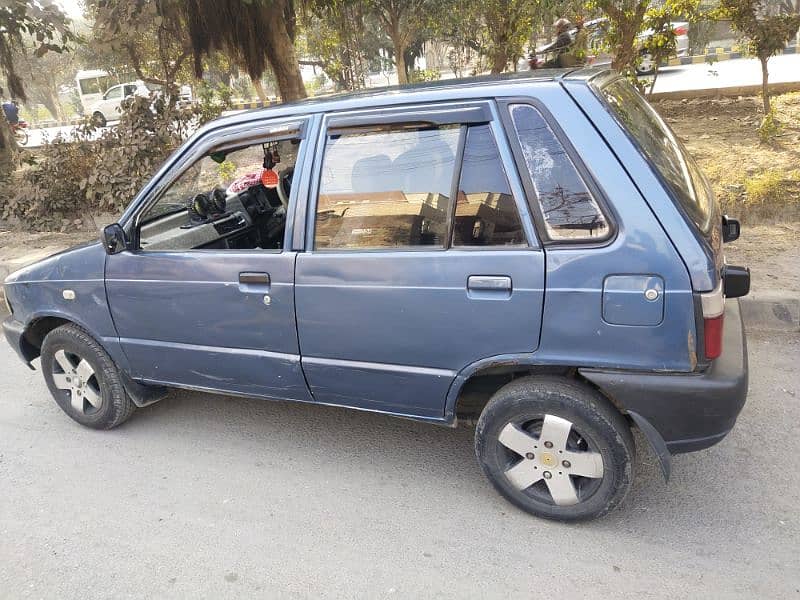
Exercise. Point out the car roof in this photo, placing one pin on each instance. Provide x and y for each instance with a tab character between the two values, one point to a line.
443	90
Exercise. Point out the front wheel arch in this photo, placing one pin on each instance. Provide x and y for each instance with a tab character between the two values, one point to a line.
35	332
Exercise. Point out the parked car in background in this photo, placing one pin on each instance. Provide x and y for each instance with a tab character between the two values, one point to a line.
109	107
646	65
596	30
537	254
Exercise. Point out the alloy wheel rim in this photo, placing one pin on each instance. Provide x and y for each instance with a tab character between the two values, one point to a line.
77	378
550	461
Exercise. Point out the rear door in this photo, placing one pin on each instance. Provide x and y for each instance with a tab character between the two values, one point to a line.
401	287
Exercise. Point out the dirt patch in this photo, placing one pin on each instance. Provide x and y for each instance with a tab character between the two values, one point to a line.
18	242
756	182
18	249
773	254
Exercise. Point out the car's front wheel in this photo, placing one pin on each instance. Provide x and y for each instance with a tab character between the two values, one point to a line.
83	379
555	448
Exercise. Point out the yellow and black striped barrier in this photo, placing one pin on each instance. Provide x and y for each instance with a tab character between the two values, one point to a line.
718	54
249	105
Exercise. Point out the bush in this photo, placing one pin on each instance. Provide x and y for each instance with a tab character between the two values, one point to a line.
769	128
102	170
421	75
773	194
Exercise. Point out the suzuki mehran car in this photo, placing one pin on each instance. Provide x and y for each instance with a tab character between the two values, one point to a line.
536	254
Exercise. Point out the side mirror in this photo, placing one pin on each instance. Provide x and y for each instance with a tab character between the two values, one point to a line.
114	238
730	229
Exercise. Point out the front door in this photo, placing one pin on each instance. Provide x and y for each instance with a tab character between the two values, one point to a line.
111	101
207	298
401	287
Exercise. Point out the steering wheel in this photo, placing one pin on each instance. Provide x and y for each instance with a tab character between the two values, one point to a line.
285	186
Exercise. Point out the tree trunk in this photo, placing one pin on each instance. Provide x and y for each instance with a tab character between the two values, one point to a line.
400	59
283	59
653	83
625	52
499	62
8	151
260	91
53	105
765	84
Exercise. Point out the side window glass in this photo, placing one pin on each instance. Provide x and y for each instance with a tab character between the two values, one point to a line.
486	213
570	212
230	200
386	189
114	93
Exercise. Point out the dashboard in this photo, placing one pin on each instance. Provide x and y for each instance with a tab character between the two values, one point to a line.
253	218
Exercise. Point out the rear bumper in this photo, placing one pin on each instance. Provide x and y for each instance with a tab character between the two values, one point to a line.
689	411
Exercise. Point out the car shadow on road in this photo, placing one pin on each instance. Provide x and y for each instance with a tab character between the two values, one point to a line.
420	455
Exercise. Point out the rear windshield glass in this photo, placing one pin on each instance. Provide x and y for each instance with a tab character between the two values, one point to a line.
664	151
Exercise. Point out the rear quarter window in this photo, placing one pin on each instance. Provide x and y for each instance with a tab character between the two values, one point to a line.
664	151
569	210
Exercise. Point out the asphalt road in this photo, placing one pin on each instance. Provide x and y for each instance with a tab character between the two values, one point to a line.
727	73
212	497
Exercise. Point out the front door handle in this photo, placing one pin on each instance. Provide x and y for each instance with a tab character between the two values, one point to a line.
254	278
489	283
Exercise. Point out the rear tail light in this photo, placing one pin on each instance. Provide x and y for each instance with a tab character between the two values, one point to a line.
713	304
681	30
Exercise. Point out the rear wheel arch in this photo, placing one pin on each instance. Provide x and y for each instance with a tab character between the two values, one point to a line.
470	393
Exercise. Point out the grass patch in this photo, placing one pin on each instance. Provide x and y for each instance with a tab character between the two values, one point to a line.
772	195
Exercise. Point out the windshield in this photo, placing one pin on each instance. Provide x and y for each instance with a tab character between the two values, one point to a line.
664	151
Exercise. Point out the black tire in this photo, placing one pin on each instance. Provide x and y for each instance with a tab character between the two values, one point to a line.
595	426
99	119
643	70
115	406
21	136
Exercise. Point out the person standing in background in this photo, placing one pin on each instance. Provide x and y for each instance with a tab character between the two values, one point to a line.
11	111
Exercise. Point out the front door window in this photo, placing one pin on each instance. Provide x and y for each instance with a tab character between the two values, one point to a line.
225	201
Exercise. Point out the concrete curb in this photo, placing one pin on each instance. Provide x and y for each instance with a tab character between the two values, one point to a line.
771	311
249	105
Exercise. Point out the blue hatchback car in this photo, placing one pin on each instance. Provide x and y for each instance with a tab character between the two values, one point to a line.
539	255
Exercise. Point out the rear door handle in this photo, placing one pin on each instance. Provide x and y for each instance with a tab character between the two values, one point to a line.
489	283
254	278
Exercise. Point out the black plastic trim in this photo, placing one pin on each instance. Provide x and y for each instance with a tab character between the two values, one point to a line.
453	114
14	332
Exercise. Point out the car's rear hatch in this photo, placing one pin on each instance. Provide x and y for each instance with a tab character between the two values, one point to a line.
692	194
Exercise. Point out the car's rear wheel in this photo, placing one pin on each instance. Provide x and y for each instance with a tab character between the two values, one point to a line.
646	66
99	119
555	448
83	379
